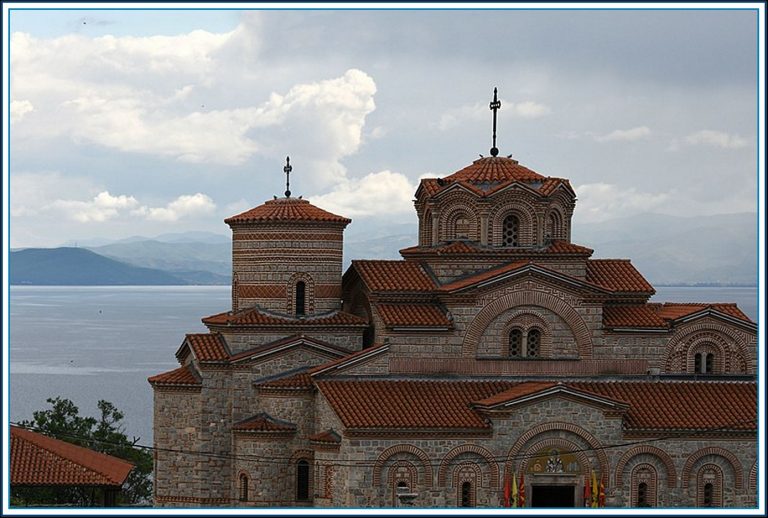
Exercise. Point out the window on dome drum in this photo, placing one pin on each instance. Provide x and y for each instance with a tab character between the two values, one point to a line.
516	343
466	494
243	487
709	364
697	363
510	231
299	299
461	228
533	343
302	480
642	495
709	495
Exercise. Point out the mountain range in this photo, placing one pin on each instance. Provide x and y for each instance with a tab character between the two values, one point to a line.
667	250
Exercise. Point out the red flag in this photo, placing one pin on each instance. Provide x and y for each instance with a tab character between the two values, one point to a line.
601	498
587	493
507	492
521	491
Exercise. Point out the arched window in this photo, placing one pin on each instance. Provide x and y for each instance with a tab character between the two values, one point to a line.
697	367
533	344
709	495
710	486
709	364
553	226
243	487
515	343
300	298
302	480
642	495
511	231
466	494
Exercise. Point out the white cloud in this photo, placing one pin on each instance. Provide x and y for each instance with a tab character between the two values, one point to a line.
628	135
603	201
480	111
183	206
378	194
19	109
716	139
102	207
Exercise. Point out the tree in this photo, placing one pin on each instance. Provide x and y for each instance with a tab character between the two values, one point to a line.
104	434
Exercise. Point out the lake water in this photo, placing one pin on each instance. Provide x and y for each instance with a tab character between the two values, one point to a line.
102	342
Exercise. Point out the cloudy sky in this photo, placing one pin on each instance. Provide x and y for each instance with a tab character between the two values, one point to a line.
127	122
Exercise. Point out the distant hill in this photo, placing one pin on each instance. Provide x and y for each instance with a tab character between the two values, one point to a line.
81	267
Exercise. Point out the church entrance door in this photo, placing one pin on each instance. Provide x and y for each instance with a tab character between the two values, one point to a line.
553	496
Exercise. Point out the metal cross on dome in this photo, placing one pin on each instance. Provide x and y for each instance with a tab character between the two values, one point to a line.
495	106
287	170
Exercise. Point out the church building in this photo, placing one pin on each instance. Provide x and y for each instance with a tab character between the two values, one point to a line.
496	364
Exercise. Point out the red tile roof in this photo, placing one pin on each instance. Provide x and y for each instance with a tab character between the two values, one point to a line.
264	422
425	404
644	315
556	247
208	346
675	310
255	317
483	276
408	404
683	405
326	437
300	381
182	376
413	315
374	350
286	209
520	390
39	460
393	275
617	275
488	175
297	340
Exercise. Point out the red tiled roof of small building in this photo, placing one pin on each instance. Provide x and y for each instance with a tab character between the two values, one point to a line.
299	381
286	209
675	310
39	460
381	275
295	339
413	315
181	376
520	390
208	346
254	317
407	403
644	315
263	422
617	275
373	350
438	404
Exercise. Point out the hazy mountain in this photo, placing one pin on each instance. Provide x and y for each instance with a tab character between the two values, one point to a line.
175	257
81	267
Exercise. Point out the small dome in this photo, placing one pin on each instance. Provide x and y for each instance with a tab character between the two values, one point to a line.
286	209
495	169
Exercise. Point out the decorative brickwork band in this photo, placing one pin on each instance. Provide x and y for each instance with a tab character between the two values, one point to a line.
403	448
649	450
493	465
731	355
490	312
718	452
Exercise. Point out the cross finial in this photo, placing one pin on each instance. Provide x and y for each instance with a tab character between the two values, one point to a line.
495	106
287	170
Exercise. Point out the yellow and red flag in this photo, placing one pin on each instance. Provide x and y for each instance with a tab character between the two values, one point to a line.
595	490
601	498
514	490
587	493
521	494
507	491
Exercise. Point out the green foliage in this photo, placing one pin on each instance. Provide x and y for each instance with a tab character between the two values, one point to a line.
104	434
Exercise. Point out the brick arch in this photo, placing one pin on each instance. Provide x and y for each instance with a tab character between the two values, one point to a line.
468	448
526	215
491	311
449	215
309	292
716	451
587	437
562	444
403	448
650	450
525	320
752	480
302	454
679	345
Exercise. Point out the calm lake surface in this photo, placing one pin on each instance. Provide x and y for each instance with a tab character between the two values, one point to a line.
88	343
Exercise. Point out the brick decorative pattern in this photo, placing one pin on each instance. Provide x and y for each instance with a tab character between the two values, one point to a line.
730	351
647	449
709	474
410	450
644	474
474	450
716	451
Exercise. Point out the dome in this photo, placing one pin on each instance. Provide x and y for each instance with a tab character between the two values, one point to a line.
286	209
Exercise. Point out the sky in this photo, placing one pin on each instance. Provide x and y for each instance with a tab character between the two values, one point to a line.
143	122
